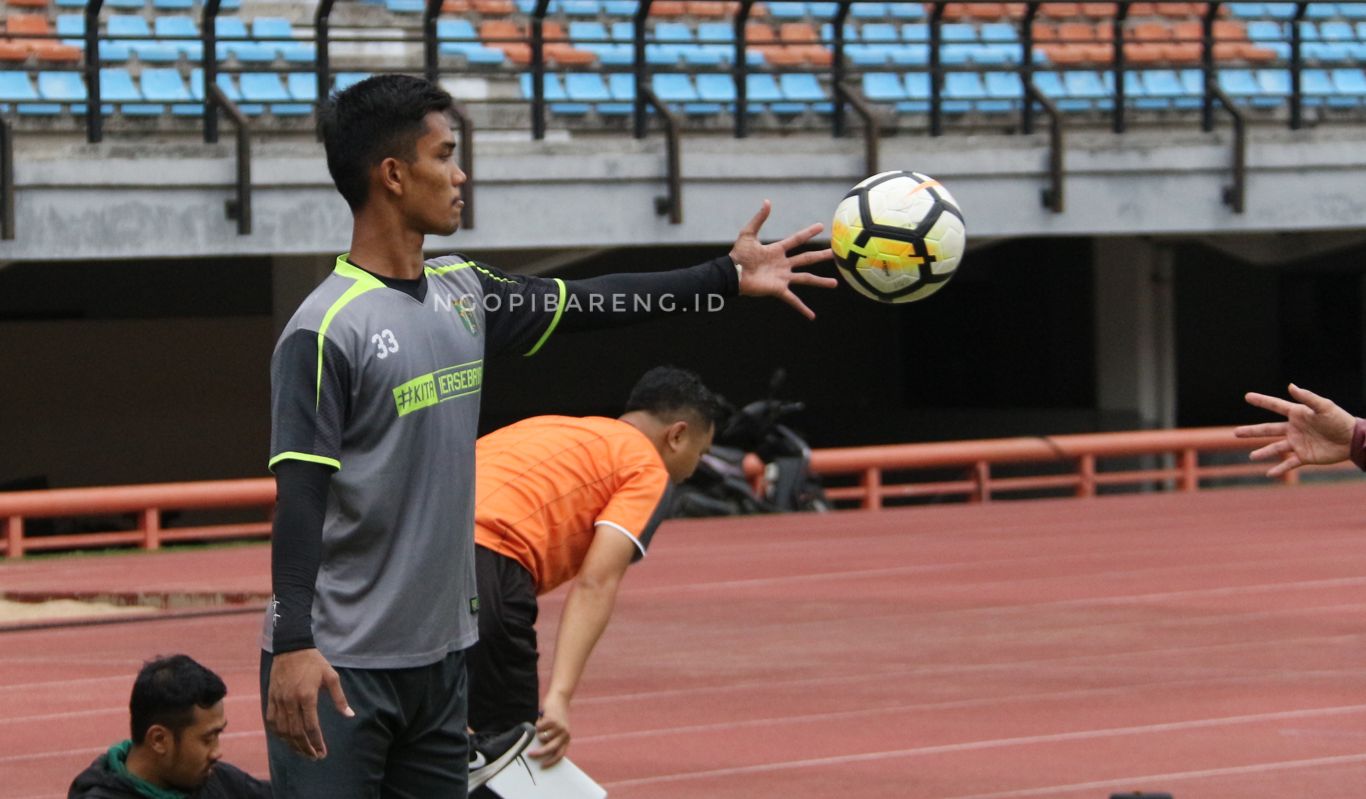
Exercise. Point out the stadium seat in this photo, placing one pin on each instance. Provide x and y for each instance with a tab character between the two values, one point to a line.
405	6
229	88
131	4
883	87
586	87
555	95
1350	82
459	38
303	86
266	87
787	10
17	87
173	5
282	33
116	86
233	42
166	86
716	88
761	91
170	29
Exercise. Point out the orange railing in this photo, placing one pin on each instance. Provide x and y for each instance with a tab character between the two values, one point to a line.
1076	464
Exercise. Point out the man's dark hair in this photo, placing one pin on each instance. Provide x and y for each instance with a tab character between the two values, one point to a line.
167	691
380	117
666	390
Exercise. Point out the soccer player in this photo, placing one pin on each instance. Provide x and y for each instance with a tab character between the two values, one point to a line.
375	387
560	498
1316	431
176	719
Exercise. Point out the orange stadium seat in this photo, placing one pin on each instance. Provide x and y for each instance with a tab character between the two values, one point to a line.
708	8
1098	10
668	8
1044	32
1150	32
1060	10
29	3
9	51
492	8
455	6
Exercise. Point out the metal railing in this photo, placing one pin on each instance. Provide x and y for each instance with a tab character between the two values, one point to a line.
1081	465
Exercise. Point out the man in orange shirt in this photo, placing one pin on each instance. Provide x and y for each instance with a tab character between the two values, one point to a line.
560	498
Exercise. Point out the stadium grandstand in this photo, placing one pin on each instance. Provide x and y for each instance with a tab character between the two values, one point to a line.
1145	185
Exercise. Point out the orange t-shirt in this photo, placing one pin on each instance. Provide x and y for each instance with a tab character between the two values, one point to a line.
542	486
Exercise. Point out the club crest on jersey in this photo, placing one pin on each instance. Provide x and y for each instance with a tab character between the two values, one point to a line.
464	307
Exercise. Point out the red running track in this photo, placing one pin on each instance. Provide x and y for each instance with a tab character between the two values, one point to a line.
1209	645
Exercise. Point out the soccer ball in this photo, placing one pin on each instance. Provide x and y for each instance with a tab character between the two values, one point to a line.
898	237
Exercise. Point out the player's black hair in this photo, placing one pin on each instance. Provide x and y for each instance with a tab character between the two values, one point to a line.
166	692
667	390
378	118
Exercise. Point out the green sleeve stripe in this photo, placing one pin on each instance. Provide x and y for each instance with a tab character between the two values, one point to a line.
303	456
441	270
554	322
364	282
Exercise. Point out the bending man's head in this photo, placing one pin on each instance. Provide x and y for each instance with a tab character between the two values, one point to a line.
684	414
176	718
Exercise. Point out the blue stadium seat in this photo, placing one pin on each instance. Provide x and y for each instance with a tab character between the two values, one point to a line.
266	87
787	10
1246	10
303	86
135	25
803	87
17	87
458	37
883	87
1241	84
822	10
877	32
1321	10
173	5
912	55
282	32
1350	82
1337	31
1353	10
761	90
405	6
135	4
915	32
554	95
1168	87
674	88
586	87
580	31
1004	87
906	10
1279	10
917	93
963	90
62	87
622	85
958	32
229	88
166	86
71	3
619	8
235	43
715	87
1052	86
178	27
528	6
1318	86
345	80
580	8
999	32
868	10
869	55
116	86
1327	52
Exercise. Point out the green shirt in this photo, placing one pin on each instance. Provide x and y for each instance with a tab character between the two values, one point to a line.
118	763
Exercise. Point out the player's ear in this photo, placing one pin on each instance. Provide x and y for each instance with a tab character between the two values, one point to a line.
159	739
389	175
676	434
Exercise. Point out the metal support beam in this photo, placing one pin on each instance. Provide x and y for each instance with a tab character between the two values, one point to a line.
837	73
741	68
1052	196
936	71
638	109
1207	66
1121	14
538	69
322	60
671	203
846	93
94	109
240	208
1235	194
1297	68
209	34
1027	65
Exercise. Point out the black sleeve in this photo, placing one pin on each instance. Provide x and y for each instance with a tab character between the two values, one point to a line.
310	385
522	312
296	550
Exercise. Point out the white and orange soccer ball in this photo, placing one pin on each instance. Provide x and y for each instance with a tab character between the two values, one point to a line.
898	237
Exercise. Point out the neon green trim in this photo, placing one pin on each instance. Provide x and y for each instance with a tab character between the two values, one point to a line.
441	270
303	456
364	282
486	273
559	310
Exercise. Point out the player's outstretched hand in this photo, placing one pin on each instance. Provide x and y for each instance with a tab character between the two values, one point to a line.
552	733
767	269
1316	430
296	679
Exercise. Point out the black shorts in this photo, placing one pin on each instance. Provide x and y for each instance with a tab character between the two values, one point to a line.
504	688
407	740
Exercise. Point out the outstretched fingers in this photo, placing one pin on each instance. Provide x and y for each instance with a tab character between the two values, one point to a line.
1265	430
1269	403
801	237
1314	401
757	221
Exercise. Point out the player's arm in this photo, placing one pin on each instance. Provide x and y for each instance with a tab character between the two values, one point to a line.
1316	431
751	269
586	612
310	384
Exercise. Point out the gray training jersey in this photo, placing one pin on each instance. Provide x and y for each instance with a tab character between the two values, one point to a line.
385	389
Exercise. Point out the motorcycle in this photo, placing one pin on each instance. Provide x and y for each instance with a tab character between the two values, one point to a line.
720	486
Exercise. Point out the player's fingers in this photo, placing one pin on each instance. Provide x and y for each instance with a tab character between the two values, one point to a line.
758	220
292	724
801	237
1267	402
1292	462
1261	430
332	682
315	746
1314	401
796	302
803	259
1276	450
808	279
